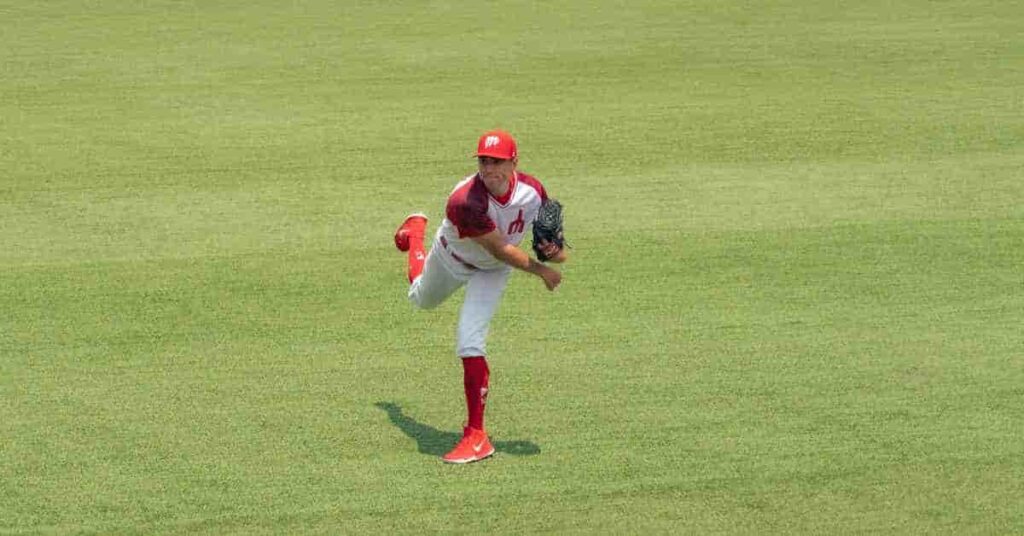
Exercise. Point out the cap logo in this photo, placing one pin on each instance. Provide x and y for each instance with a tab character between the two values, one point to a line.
491	141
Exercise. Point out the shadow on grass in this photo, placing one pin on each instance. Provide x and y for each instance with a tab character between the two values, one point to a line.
430	440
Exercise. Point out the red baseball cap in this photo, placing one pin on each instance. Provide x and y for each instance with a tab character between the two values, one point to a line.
497	144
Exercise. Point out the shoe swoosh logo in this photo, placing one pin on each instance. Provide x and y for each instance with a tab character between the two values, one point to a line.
478	447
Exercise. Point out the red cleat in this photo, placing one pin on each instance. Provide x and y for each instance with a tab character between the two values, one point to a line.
473	447
414	225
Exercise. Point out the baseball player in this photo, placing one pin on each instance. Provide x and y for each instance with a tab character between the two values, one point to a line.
486	217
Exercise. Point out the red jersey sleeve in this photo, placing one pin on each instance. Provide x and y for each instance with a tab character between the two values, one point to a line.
535	184
467	210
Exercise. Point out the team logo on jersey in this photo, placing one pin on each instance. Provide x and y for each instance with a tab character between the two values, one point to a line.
518	226
491	141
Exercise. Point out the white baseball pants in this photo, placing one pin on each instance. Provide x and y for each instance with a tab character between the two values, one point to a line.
443	275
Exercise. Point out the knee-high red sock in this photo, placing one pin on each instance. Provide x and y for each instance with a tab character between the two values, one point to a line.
476	380
416	257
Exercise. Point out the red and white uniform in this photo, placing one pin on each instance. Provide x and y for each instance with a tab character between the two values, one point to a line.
473	211
456	260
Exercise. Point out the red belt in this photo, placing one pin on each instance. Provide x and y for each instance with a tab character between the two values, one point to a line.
455	256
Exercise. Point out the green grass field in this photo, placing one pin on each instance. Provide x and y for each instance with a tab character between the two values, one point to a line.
795	303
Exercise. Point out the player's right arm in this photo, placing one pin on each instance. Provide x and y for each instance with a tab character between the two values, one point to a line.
517	258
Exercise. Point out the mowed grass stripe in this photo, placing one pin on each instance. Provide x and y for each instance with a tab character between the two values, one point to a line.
824	403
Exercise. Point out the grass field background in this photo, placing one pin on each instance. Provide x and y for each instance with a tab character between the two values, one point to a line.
794	305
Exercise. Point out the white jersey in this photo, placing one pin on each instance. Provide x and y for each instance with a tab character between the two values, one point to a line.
473	211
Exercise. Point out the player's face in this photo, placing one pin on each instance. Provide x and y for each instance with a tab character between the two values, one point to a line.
496	173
